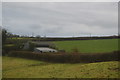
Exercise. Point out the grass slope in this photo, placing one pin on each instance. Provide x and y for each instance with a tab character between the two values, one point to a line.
89	46
23	68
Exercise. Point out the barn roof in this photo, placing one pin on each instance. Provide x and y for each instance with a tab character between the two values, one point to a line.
45	49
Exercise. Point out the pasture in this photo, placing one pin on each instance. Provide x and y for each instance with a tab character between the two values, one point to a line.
88	46
25	68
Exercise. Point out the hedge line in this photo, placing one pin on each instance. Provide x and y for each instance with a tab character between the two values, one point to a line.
67	58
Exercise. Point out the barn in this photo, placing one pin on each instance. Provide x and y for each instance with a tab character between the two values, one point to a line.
40	46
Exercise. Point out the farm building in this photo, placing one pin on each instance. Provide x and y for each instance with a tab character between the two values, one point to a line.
38	44
40	47
44	49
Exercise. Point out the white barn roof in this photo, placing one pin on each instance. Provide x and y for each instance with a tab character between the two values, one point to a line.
44	49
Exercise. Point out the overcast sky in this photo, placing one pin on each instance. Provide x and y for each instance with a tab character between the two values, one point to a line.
61	18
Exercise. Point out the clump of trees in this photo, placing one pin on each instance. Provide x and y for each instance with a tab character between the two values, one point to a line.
4	36
6	43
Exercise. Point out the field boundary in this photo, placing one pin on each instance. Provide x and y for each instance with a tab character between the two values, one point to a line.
66	57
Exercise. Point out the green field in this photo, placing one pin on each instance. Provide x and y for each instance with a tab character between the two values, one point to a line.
24	68
89	46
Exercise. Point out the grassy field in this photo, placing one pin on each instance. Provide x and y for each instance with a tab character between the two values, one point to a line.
89	46
24	68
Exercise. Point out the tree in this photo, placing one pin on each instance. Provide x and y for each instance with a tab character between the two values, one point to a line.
9	35
4	36
38	36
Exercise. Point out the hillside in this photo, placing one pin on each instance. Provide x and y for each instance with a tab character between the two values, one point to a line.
24	68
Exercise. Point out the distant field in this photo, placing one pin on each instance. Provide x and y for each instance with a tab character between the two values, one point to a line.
20	38
89	46
23	68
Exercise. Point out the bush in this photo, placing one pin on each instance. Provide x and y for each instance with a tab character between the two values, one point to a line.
31	46
11	47
75	50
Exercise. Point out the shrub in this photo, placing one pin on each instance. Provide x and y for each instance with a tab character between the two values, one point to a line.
31	46
75	50
12	47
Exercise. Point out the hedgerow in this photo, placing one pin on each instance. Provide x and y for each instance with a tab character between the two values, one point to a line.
67	57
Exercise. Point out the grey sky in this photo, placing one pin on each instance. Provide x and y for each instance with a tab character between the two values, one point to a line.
61	18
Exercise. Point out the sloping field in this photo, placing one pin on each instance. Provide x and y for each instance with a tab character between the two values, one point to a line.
89	46
24	68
